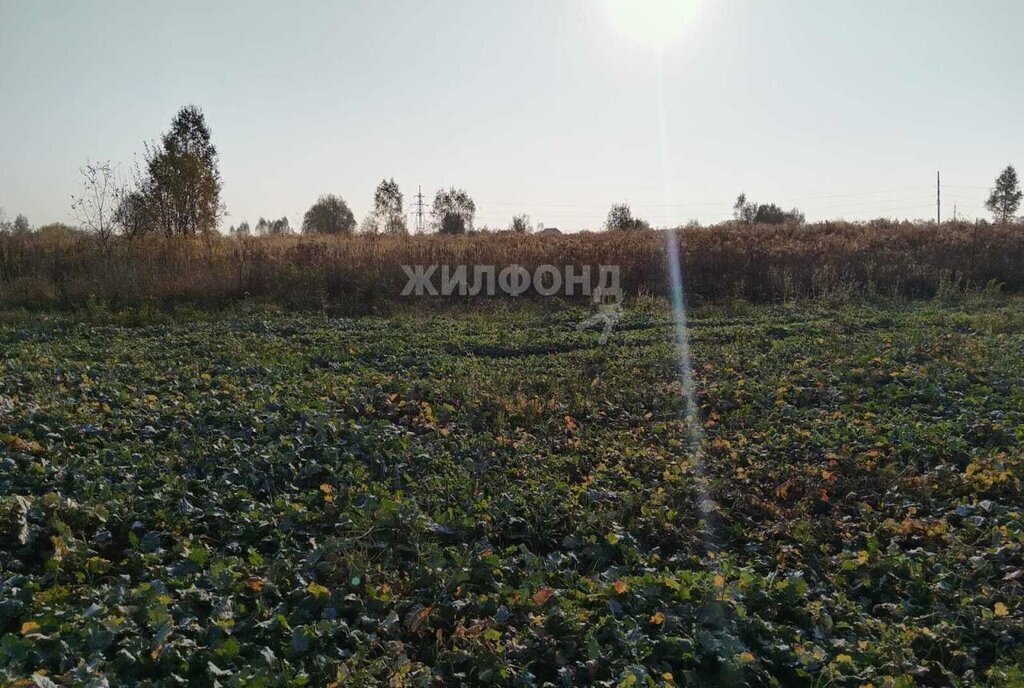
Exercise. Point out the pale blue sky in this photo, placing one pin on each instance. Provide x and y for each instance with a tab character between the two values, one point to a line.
544	107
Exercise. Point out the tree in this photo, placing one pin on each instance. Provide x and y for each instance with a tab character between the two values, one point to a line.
370	224
771	214
620	218
21	225
1005	198
521	224
133	214
277	227
182	184
752	213
96	207
57	229
744	210
5	224
329	215
387	206
453	211
242	230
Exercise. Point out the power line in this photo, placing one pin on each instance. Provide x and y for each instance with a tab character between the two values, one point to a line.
879	203
693	205
709	212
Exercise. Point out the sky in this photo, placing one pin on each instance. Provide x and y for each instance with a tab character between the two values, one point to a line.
556	109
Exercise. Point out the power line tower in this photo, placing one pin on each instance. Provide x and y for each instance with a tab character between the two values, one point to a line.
938	199
419	210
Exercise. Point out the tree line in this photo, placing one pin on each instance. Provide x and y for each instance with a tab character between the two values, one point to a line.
176	191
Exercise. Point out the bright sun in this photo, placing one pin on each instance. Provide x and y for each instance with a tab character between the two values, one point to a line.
651	22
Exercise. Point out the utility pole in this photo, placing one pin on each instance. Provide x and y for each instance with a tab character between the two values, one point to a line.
938	200
419	210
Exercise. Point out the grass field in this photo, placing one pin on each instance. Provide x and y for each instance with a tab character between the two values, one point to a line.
363	275
494	497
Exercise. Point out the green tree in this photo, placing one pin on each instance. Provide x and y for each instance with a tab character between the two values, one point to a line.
771	214
744	210
453	211
329	215
620	218
387	206
182	184
1005	198
133	214
751	213
21	225
279	227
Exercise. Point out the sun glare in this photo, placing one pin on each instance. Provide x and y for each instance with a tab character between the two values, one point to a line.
651	22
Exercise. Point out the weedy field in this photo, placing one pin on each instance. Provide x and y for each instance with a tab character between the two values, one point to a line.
495	498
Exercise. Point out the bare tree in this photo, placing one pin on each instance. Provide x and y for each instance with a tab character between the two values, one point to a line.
97	206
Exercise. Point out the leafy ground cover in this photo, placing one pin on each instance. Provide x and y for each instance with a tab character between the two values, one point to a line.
495	498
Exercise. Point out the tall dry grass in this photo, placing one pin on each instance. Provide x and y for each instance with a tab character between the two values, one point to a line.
361	273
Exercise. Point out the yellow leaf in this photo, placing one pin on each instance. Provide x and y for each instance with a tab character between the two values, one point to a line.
657	618
317	590
719	581
256	584
1000	609
746	657
620	586
29	627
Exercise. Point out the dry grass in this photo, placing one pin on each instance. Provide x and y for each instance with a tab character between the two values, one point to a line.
363	273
